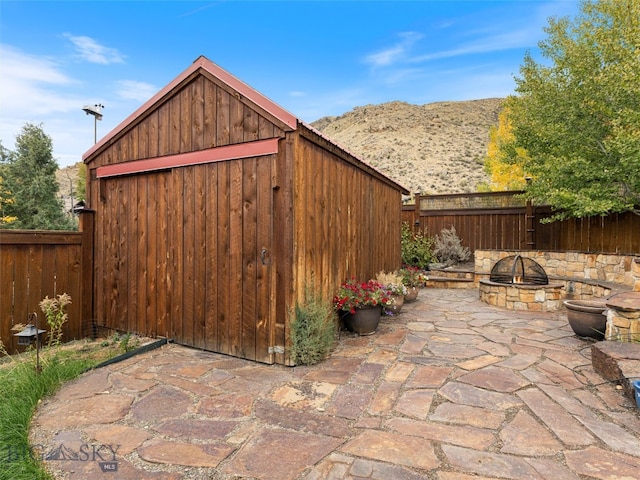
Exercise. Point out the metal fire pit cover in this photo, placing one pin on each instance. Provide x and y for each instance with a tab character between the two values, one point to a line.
518	270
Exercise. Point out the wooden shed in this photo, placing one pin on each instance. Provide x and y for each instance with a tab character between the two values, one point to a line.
214	208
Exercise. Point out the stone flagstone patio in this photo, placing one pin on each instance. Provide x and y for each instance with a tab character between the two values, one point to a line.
452	388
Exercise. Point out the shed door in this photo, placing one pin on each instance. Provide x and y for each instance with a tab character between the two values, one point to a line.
221	257
187	253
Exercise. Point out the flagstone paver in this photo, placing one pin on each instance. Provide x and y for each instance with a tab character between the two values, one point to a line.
478	397
497	379
525	436
563	424
186	454
161	403
465	415
280	454
393	448
598	463
450	389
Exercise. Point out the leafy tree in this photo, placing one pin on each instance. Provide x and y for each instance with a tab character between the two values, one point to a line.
505	160
30	178
578	115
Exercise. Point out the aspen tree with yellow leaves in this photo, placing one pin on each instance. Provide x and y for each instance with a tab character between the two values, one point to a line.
504	161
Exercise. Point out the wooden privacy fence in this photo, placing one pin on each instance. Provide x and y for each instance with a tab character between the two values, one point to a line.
503	221
35	264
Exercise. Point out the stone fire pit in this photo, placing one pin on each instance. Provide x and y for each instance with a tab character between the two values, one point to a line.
536	298
520	283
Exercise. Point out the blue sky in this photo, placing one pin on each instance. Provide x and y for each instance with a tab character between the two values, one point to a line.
312	58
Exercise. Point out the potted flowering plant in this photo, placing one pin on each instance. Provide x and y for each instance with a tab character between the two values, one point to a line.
392	283
412	278
363	302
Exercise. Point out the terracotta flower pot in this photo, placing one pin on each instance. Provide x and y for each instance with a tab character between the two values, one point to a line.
587	318
365	321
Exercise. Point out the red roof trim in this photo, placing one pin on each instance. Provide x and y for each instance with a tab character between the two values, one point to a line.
218	72
219	154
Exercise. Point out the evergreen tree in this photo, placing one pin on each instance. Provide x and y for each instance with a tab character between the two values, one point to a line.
30	177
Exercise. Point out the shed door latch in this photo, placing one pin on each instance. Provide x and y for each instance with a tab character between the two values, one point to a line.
276	349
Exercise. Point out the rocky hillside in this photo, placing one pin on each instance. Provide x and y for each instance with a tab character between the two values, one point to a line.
67	178
432	148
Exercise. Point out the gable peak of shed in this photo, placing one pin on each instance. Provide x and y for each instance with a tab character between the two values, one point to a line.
201	65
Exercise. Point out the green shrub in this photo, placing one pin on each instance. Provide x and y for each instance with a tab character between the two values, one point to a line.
417	249
21	387
54	311
313	330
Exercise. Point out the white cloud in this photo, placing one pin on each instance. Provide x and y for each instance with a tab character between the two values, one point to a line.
91	51
36	89
23	67
297	93
491	43
31	85
395	53
134	90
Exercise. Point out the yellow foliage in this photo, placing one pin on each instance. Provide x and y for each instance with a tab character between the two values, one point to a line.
504	161
5	199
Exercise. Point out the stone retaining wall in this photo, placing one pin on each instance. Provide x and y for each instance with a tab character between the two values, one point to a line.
620	269
623	326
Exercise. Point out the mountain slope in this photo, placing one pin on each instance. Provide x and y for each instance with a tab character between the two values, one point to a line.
432	148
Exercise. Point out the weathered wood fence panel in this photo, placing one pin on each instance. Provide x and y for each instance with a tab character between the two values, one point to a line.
499	220
35	264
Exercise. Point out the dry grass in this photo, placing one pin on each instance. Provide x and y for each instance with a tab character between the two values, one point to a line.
433	148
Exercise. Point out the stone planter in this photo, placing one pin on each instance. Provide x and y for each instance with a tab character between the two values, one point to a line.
587	318
365	321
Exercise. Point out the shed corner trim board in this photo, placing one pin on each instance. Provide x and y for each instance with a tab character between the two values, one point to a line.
210	155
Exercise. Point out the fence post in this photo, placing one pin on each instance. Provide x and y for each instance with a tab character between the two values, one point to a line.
416	214
530	226
86	226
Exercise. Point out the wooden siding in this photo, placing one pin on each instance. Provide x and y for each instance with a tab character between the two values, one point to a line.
506	229
214	254
181	256
178	247
34	265
616	233
199	115
346	222
502	229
